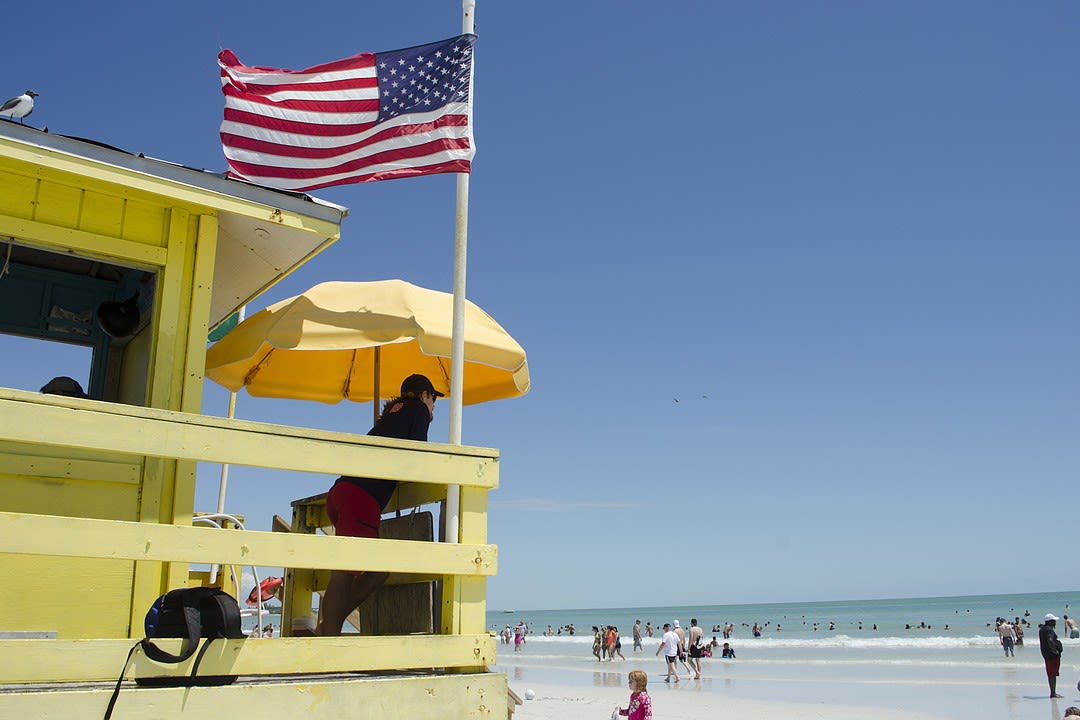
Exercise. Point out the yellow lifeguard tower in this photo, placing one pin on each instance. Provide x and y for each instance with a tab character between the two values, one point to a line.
98	493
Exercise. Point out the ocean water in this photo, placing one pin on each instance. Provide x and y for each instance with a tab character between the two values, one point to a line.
917	623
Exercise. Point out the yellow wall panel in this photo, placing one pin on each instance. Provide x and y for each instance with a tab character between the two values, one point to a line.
58	205
71	463
102	213
144	223
73	498
17	195
76	598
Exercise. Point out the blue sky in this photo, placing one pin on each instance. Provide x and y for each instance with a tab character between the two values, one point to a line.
798	281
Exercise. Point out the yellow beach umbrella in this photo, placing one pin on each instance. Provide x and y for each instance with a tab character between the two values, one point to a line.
346	340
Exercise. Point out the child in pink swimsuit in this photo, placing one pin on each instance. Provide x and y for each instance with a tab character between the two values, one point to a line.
640	707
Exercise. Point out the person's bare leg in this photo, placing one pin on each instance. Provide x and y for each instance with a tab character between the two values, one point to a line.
344	593
362	587
334	602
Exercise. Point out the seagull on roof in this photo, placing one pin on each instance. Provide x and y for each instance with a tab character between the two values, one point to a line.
19	106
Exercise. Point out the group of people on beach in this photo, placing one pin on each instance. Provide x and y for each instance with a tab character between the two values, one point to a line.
687	650
678	648
517	635
568	629
266	631
607	643
1011	635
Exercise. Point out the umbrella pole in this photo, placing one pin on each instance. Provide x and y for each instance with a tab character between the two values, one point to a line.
375	385
223	483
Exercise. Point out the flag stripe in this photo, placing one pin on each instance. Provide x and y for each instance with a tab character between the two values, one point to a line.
245	147
302	121
314	131
281	93
326	82
332	105
398	155
387	173
360	64
367	117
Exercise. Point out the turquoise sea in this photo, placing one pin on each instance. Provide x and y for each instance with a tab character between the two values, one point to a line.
946	621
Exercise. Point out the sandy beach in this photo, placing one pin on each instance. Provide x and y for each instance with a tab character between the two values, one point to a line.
844	689
560	702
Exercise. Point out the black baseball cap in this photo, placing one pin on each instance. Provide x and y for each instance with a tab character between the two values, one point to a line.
417	384
64	385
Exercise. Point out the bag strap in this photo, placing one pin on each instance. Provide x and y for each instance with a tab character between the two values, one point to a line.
119	680
193	621
230	615
199	657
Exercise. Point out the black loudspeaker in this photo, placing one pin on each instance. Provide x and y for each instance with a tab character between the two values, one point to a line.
119	319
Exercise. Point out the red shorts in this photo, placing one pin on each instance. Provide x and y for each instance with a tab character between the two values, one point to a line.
353	512
1053	666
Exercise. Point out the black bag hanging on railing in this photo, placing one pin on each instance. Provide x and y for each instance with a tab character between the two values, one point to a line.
192	614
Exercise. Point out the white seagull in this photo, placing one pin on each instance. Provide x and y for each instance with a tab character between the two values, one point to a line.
19	106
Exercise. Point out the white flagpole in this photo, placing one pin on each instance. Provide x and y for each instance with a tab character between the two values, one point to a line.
457	342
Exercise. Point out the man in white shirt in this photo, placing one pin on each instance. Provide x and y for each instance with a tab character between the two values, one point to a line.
682	646
670	645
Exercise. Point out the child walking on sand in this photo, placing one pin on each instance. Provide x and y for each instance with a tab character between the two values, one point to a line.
640	707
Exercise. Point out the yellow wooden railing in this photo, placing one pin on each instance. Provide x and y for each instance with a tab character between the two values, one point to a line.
425	469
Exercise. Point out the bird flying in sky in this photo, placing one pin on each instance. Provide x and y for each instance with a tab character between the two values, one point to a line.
19	106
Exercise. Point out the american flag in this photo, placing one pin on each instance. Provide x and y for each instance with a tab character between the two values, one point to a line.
372	116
